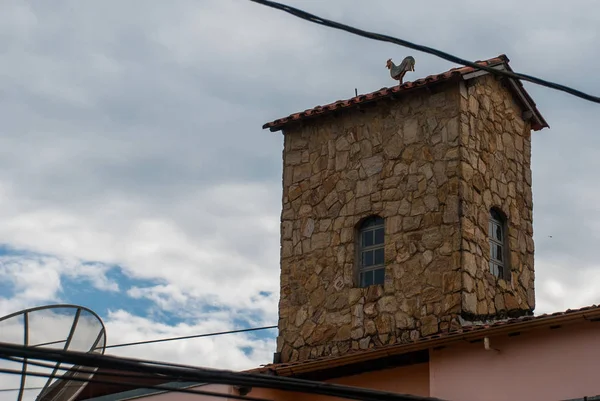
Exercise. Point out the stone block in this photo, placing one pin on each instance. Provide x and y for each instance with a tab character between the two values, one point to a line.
429	325
370	309
411	130
387	304
469	302
384	324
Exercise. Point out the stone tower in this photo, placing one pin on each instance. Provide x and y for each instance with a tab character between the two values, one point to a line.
406	212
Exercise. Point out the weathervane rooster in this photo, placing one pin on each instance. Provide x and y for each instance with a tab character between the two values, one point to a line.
398	71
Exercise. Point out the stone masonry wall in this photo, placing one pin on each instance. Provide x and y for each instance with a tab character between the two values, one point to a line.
399	160
495	172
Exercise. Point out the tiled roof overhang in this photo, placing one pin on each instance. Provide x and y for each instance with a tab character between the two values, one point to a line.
462	73
472	332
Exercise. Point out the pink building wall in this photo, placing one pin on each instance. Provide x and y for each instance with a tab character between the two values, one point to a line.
541	365
412	380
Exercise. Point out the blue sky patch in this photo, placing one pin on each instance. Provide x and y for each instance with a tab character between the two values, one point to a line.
6	289
7	250
79	291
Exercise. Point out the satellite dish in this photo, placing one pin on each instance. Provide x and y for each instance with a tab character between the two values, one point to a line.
64	327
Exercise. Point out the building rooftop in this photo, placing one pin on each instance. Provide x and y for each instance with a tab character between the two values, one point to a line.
462	73
469	332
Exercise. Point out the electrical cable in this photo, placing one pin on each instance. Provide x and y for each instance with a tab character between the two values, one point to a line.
49	343
203	375
66	369
52	366
6	390
97	380
191	336
425	49
138	385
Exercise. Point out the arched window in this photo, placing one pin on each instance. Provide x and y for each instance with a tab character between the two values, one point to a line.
498	245
371	260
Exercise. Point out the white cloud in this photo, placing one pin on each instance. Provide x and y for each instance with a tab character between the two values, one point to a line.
37	279
564	284
221	248
224	351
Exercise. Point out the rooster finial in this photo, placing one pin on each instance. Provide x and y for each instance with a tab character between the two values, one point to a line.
397	71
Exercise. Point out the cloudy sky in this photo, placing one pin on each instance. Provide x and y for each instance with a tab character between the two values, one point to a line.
135	178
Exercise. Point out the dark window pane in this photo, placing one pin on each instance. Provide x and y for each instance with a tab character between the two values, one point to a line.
500	271
379	236
498	233
368	258
372	235
379	256
367	278
499	253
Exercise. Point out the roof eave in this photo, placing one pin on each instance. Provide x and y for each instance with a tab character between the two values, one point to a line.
591	313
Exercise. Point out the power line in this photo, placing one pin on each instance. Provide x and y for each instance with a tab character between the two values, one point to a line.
5	390
49	343
446	56
96	379
160	340
204	375
66	369
57	366
164	387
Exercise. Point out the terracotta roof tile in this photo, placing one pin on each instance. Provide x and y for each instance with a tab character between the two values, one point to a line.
473	330
454	73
